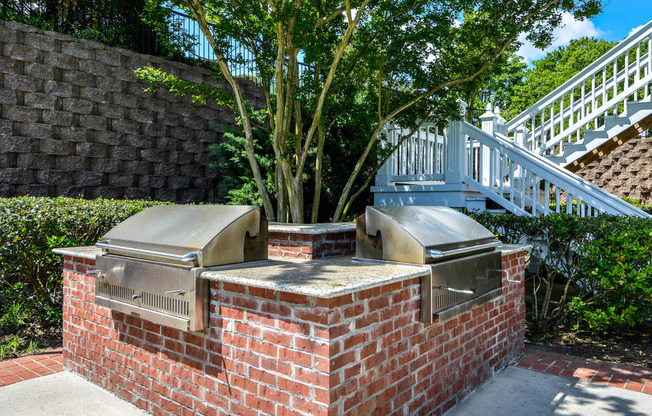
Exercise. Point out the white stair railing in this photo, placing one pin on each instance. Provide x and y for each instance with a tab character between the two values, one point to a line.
527	183
622	75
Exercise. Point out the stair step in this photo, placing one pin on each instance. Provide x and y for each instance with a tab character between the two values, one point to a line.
573	148
497	211
611	122
590	135
476	203
560	160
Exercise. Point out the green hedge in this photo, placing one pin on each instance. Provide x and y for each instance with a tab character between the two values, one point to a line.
594	273
30	274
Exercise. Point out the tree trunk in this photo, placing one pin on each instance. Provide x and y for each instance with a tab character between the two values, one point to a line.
321	135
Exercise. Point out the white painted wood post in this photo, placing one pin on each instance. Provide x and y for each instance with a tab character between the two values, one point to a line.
382	177
489	124
456	150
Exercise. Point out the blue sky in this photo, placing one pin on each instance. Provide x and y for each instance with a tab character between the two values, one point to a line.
613	24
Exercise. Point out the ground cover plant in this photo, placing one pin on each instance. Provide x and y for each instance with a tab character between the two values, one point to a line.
31	275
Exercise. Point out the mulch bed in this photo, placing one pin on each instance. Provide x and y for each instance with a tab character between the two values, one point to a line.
630	346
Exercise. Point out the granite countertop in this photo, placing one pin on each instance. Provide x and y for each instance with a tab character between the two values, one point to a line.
324	278
88	252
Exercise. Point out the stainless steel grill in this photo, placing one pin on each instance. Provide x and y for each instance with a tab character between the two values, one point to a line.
151	262
462	255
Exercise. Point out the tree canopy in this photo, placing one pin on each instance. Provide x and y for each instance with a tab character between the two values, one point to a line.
414	54
548	73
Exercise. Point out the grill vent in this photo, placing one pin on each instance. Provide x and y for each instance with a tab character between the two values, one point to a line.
115	291
444	299
166	303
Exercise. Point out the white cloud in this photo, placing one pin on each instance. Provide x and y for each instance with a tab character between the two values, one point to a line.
568	30
631	32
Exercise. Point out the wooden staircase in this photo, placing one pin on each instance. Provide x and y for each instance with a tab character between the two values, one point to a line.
527	165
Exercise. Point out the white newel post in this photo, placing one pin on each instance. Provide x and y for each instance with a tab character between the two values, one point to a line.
382	177
521	135
456	150
490	125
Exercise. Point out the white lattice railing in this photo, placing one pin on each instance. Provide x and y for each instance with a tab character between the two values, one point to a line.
527	183
421	157
622	75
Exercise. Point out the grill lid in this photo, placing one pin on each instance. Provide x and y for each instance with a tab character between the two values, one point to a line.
199	235
419	234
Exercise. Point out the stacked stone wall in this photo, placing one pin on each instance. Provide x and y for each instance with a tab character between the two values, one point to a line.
75	121
626	172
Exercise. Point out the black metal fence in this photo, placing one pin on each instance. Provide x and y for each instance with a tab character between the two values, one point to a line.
119	23
114	22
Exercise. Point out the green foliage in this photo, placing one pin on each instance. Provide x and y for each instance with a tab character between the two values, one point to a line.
548	73
199	92
637	203
116	23
11	346
237	184
617	272
415	55
599	267
14	317
30	274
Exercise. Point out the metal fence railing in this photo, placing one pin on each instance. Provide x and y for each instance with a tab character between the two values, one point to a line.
114	22
119	23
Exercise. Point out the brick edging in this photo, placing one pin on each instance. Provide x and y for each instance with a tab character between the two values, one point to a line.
616	375
31	366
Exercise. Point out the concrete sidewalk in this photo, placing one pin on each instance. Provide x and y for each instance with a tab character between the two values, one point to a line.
513	392
62	394
520	392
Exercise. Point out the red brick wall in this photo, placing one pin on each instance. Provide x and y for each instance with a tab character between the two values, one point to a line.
278	353
311	246
385	362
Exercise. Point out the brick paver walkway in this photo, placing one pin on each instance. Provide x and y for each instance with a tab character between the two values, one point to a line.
623	376
24	368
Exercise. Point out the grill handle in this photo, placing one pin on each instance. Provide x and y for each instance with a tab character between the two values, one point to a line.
450	289
186	258
437	254
506	273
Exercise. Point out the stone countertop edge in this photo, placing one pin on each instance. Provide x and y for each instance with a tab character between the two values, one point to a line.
324	228
508	249
330	277
87	252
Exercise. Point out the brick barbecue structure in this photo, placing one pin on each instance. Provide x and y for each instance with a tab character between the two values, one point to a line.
271	350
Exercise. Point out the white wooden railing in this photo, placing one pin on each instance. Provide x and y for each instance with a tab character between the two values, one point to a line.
490	163
421	157
622	75
528	184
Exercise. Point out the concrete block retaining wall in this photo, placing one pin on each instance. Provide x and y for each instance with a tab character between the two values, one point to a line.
75	121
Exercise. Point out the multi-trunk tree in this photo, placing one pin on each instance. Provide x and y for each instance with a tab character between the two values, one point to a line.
415	53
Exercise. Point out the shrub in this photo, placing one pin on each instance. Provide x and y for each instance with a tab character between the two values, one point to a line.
601	264
638	204
30	274
615	274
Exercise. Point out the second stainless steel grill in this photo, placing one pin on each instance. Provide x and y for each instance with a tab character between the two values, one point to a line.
462	255
151	262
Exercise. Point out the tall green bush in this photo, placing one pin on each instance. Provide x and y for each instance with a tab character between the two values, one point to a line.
601	267
30	274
